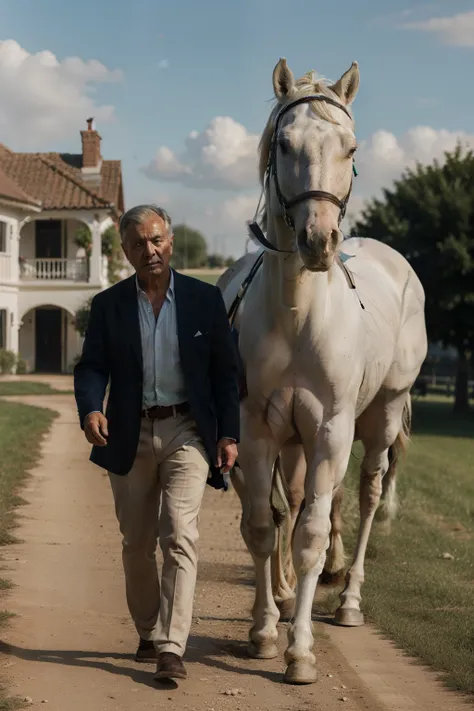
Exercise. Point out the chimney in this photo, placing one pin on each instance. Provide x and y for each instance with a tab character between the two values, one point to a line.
91	157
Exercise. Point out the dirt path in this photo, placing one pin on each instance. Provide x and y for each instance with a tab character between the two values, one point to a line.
71	644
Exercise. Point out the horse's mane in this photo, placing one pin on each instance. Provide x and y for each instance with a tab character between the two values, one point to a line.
304	86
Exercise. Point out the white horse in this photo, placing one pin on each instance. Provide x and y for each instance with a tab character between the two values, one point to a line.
325	363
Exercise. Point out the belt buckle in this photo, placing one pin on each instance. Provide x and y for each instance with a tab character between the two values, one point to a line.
173	407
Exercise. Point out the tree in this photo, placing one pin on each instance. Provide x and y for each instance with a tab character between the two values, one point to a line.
428	216
111	248
216	261
81	317
190	248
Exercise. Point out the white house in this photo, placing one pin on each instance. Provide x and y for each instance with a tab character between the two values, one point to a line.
45	198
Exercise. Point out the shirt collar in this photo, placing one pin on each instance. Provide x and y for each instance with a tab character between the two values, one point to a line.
169	294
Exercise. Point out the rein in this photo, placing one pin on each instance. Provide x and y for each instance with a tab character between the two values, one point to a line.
285	204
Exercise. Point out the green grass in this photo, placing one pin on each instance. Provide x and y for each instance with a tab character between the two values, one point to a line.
21	431
416	598
25	387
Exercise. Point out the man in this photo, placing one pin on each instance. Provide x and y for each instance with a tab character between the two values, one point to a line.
171	423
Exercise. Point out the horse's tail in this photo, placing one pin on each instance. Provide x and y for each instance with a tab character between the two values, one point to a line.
389	501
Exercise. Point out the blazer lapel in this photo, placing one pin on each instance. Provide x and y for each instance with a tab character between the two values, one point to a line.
128	309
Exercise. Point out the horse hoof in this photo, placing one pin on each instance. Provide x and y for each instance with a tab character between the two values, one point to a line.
300	673
262	651
348	617
286	608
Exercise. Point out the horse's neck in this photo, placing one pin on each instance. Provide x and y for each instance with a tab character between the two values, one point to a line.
298	295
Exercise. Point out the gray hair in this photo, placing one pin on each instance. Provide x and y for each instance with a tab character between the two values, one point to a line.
138	214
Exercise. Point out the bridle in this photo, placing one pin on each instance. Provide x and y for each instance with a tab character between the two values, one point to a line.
271	172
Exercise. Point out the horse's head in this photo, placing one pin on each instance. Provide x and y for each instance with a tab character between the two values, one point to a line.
310	149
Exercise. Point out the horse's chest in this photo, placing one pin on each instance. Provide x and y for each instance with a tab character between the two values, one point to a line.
274	362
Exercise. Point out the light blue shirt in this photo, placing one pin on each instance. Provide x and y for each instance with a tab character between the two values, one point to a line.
163	381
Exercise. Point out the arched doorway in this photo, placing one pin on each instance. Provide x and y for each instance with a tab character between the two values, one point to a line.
48	339
45	339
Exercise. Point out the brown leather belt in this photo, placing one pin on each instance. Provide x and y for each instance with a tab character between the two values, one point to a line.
161	412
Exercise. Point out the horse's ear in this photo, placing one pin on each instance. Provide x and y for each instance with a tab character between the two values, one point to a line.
283	80
347	86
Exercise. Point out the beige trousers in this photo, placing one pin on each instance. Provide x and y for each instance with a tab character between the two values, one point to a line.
171	468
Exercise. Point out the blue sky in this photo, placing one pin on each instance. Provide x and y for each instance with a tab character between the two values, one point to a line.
183	63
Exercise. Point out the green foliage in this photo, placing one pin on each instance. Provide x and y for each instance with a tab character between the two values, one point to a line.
8	361
111	248
81	317
21	367
216	261
83	239
190	248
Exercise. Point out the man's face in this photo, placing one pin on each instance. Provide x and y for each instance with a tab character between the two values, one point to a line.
148	247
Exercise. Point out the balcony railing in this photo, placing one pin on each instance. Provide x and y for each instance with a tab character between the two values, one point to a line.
5	267
53	269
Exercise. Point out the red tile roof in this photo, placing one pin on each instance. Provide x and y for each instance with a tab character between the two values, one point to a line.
55	180
12	192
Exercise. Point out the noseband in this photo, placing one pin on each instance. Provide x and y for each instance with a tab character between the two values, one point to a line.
271	172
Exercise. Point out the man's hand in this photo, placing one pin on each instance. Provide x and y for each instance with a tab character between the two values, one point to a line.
226	454
95	429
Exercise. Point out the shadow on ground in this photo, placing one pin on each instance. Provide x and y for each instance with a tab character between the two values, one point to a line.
202	649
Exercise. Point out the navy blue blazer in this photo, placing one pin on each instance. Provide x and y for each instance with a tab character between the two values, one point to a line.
112	353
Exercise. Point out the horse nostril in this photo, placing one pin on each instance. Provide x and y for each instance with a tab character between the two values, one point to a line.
335	238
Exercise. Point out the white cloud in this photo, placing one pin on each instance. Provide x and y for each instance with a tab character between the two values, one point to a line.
453	30
383	158
211	162
43	98
222	156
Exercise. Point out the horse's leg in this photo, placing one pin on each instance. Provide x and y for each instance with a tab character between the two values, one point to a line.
256	458
333	571
293	466
327	458
379	428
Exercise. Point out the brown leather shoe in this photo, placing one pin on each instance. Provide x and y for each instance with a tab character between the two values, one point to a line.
170	666
146	652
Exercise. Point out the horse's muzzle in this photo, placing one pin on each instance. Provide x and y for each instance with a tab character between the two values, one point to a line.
317	252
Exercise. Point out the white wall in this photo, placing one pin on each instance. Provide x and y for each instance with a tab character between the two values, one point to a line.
21	298
9	275
9	259
9	302
27	241
67	297
97	222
